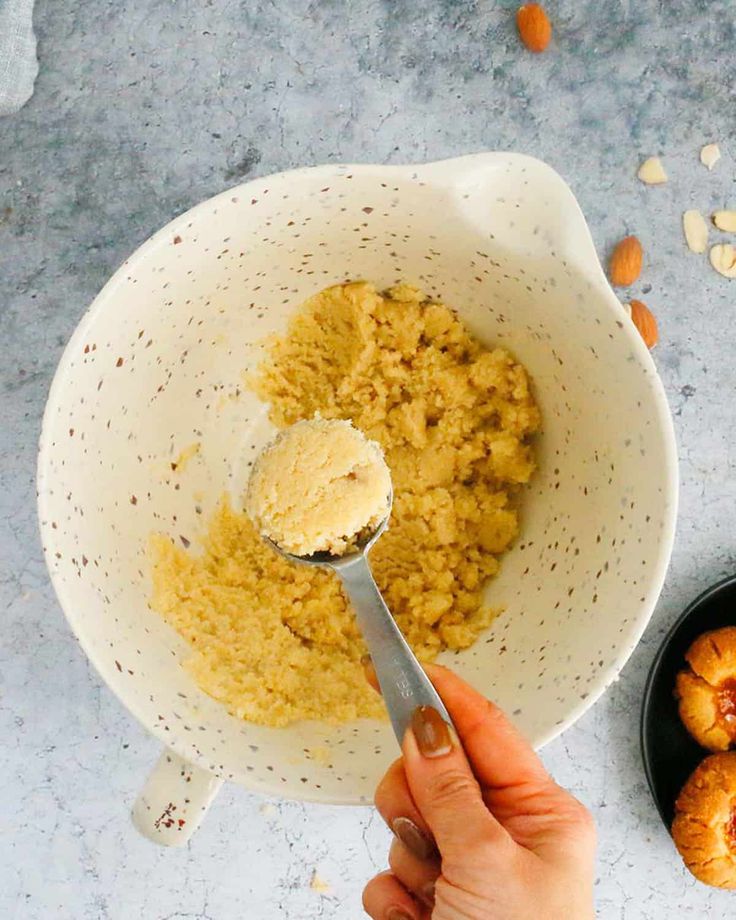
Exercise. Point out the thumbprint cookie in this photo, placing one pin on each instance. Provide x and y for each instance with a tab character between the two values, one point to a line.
704	829
706	690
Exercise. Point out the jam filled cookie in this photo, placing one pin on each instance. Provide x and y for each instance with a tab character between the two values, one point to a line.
704	829
707	690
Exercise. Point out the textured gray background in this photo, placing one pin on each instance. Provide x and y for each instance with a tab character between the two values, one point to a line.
143	109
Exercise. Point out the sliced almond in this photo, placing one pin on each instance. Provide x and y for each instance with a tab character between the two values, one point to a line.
696	231
710	155
723	259
725	220
643	318
625	264
651	172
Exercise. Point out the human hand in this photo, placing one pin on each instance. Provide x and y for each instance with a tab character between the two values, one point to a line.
482	832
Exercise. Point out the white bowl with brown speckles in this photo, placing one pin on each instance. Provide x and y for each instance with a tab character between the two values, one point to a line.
157	364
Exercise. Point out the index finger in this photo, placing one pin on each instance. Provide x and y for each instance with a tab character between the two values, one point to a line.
500	755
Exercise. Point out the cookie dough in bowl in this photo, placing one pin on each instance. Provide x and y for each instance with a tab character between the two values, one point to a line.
455	421
163	361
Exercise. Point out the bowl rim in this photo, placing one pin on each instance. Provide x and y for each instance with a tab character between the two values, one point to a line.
441	173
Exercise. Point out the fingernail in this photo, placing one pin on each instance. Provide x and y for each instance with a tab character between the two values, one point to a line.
369	671
431	732
427	893
413	838
396	914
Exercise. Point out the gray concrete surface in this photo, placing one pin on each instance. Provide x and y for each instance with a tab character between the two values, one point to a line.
141	110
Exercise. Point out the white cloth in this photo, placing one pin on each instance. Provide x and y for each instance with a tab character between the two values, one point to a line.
18	64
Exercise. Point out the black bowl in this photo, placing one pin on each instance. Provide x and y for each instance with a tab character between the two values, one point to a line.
670	754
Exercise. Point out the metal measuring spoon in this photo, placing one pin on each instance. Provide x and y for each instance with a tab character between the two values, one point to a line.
404	685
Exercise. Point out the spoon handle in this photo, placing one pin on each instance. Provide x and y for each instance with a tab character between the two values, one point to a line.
404	685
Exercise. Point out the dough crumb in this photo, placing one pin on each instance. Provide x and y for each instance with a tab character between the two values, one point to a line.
319	884
179	464
320	754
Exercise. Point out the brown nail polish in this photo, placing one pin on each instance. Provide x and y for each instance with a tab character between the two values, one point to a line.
413	838
431	731
396	914
369	671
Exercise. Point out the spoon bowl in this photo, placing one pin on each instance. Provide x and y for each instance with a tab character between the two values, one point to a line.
331	560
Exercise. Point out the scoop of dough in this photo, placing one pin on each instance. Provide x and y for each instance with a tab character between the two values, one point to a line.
318	486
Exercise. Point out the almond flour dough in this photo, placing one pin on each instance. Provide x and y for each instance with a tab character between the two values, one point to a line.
276	642
317	486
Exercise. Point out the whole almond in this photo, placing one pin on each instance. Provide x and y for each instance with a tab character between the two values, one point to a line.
534	27
625	265
725	220
643	318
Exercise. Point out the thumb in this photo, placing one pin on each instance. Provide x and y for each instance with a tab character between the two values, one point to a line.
447	793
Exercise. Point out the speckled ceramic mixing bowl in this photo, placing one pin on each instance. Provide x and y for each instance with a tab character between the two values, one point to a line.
157	364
